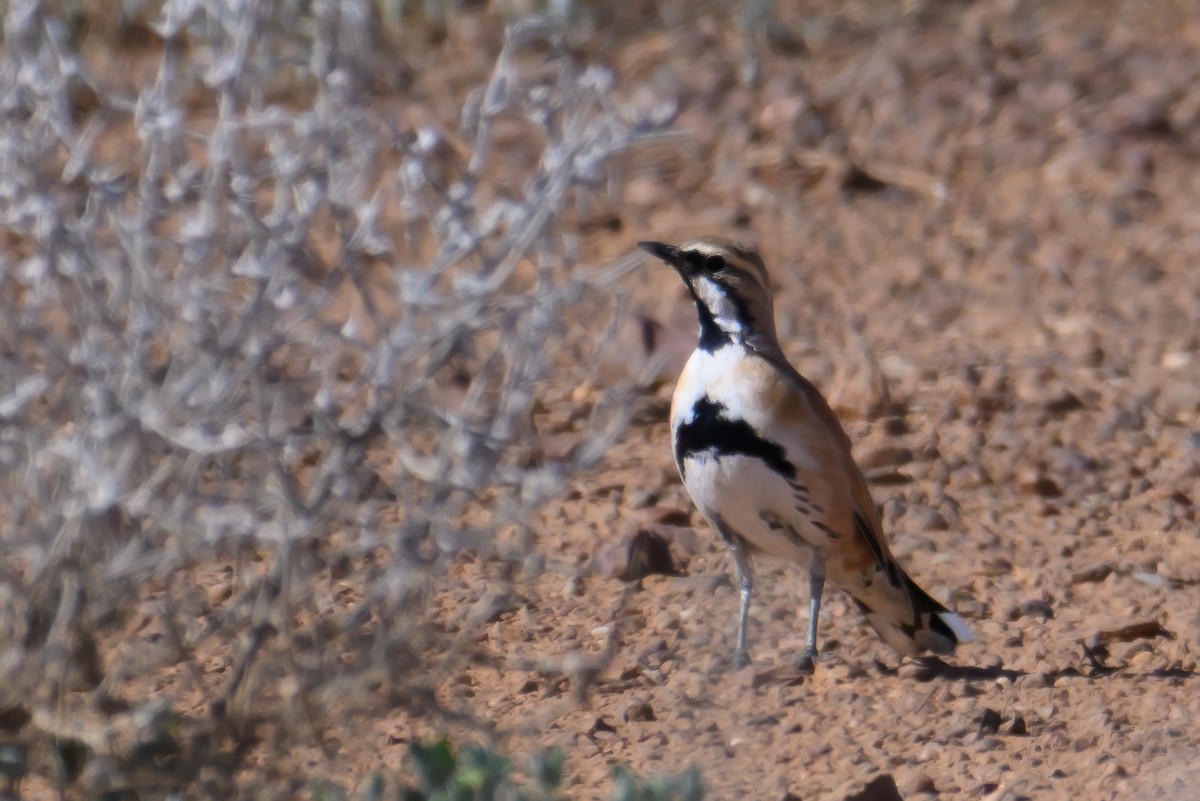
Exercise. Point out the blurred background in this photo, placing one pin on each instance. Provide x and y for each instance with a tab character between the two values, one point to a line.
333	394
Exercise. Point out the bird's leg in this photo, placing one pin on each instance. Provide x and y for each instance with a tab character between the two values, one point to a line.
745	580
816	586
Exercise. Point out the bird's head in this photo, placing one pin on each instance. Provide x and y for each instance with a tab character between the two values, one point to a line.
729	284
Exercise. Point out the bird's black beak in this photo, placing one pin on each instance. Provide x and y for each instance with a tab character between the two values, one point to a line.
668	253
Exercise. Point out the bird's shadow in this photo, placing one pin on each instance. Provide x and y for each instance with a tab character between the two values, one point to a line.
933	668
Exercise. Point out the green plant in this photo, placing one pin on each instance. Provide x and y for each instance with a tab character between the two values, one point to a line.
685	786
480	774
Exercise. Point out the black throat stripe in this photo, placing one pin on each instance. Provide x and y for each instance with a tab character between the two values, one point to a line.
710	433
712	336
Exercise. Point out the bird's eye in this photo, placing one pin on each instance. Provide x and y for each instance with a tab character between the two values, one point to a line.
701	264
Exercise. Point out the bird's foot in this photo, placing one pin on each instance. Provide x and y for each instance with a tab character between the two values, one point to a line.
807	663
740	659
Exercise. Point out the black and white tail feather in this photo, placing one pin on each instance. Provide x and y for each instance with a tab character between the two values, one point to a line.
934	629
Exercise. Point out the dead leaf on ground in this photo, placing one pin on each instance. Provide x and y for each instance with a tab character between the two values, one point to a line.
1095	648
1145	630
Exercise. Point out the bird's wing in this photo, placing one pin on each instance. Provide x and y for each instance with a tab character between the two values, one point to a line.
857	557
811	396
858	549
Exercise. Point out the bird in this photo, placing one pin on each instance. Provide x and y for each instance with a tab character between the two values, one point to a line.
769	466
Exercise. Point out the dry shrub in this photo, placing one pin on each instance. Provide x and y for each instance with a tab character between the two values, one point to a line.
268	361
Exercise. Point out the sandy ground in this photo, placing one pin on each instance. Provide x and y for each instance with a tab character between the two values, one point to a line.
982	231
982	226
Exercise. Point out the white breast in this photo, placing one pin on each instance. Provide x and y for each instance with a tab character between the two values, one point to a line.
740	490
709	374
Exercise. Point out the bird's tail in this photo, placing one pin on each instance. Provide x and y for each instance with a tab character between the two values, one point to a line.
925	625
